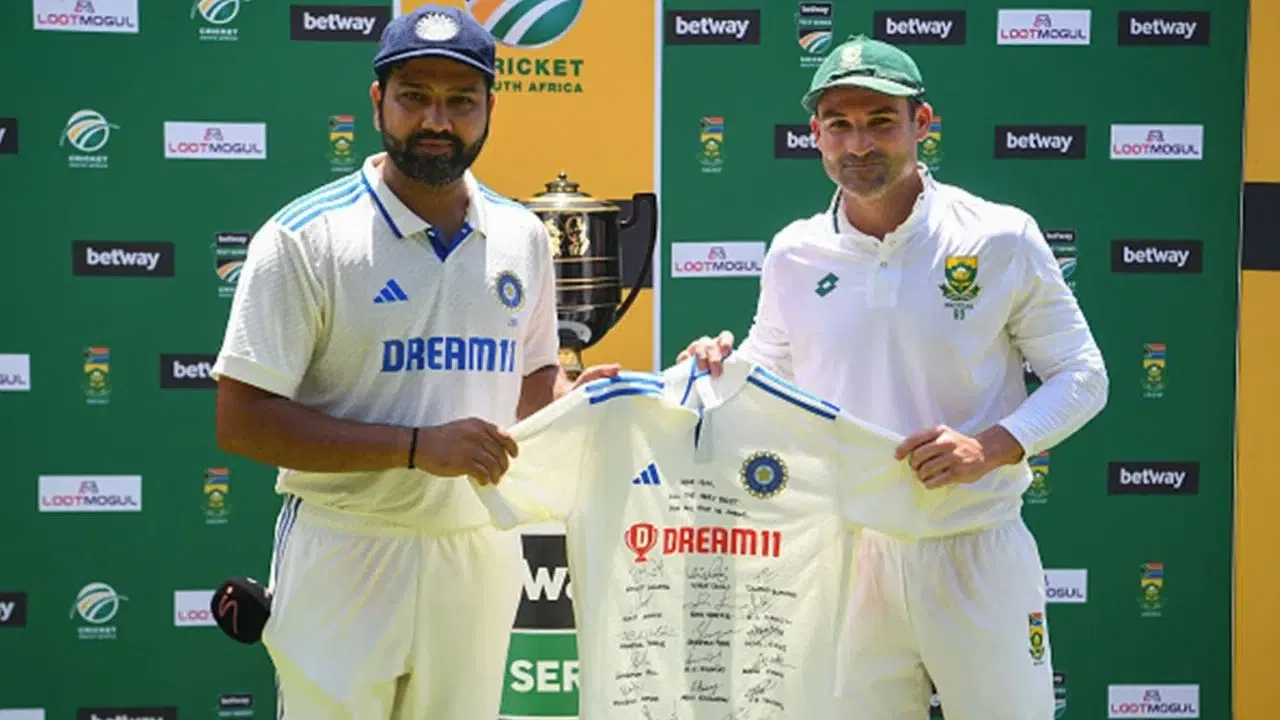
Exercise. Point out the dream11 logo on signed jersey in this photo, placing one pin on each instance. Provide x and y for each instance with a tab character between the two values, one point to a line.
645	538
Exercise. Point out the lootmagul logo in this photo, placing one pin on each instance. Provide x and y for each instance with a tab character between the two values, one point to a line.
528	24
216	12
87	131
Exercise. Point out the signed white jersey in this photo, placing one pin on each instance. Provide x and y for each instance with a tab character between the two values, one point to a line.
707	525
351	304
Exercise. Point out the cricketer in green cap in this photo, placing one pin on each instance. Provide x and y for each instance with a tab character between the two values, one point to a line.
869	116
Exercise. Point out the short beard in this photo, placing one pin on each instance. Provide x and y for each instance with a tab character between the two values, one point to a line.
432	169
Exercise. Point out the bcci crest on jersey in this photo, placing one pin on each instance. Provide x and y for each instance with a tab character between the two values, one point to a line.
764	475
960	287
510	290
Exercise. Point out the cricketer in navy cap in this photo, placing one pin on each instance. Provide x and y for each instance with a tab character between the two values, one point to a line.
432	100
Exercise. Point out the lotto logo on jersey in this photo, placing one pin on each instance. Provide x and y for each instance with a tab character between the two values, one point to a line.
644	539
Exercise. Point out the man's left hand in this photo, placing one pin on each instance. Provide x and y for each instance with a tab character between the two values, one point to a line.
942	456
596	372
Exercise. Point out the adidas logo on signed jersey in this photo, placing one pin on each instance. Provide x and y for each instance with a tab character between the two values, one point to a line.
647	476
391	292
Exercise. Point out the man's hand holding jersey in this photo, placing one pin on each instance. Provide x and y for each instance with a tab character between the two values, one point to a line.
481	450
942	456
939	455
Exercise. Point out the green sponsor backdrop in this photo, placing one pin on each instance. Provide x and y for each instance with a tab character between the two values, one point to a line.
98	405
1158	605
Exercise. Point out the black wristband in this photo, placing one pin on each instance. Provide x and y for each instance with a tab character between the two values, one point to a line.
413	447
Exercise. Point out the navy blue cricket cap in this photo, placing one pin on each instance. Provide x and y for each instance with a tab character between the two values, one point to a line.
436	31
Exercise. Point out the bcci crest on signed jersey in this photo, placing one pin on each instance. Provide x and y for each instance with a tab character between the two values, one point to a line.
960	287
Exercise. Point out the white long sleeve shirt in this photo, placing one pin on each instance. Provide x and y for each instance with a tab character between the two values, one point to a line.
930	326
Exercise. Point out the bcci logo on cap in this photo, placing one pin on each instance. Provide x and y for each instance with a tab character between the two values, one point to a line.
526	25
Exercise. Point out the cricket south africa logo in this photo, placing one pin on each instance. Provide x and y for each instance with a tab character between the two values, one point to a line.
960	287
526	24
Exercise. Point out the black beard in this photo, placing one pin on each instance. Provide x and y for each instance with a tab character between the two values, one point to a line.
432	169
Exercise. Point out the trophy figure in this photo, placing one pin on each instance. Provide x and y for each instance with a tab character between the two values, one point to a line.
584	236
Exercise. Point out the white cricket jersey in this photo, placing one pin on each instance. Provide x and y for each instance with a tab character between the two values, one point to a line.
351	304
708	544
930	326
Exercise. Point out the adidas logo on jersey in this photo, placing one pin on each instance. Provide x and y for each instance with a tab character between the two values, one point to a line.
391	292
648	476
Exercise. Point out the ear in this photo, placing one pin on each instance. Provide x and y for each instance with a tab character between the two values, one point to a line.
493	97
375	98
814	127
924	118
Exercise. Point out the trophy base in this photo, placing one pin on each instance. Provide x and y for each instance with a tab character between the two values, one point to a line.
571	362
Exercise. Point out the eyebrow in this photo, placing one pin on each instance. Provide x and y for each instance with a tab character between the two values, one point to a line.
469	88
883	110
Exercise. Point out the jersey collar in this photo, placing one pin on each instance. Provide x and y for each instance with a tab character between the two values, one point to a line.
703	392
899	235
404	223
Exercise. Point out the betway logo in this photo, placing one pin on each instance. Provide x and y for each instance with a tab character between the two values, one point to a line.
713	27
547	601
1163	28
1156	256
13	609
1040	141
945	27
122	259
794	142
147	260
547	583
337	22
1153	478
1147	476
187	372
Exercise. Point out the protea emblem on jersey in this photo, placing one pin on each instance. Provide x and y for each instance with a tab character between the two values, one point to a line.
764	474
1035	636
510	290
960	286
526	23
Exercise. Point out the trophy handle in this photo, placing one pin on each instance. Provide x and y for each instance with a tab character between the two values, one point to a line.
649	202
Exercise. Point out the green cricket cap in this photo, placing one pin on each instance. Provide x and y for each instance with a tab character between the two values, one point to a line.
866	63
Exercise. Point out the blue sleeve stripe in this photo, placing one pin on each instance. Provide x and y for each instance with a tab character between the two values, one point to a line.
625	390
694	374
495	197
311	199
627	378
791	387
800	401
316	211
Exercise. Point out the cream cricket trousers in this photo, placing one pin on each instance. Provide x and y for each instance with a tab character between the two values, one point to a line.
374	623
967	611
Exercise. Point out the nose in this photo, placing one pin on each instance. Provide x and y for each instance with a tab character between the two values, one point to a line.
859	141
435	117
